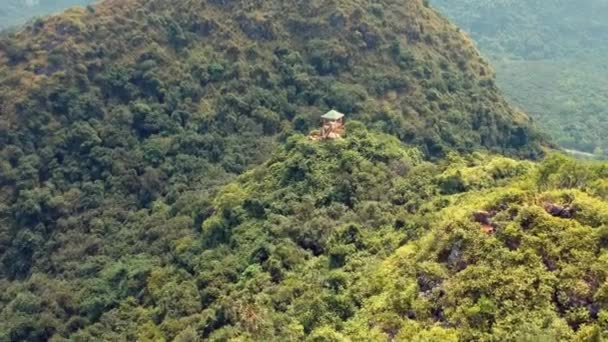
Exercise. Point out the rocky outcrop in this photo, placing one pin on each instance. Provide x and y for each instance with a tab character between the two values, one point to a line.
485	219
556	210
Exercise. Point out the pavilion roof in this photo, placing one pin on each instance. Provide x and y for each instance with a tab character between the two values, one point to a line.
333	115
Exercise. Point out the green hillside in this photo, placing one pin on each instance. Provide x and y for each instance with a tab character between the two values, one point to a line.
549	57
109	109
532	29
569	98
353	240
157	182
16	12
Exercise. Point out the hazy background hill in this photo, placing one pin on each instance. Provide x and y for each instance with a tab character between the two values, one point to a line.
550	60
121	121
15	12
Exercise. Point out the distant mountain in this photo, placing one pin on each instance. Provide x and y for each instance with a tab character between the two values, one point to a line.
532	29
550	59
15	12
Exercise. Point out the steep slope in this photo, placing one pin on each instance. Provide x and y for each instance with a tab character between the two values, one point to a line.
357	239
16	12
313	240
549	57
568	98
119	122
106	110
388	62
531	29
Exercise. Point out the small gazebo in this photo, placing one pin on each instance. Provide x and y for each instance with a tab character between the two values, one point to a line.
333	125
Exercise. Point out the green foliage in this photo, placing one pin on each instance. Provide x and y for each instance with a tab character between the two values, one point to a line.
568	98
342	240
153	186
549	58
532	30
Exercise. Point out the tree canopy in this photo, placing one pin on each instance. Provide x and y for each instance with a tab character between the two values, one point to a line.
157	183
549	56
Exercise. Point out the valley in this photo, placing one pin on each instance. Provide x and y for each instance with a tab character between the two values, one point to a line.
549	58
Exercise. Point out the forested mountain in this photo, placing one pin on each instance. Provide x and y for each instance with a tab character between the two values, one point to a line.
156	182
15	12
532	29
550	60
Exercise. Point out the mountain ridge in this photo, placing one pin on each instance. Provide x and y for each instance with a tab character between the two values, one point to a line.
76	23
16	12
156	182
